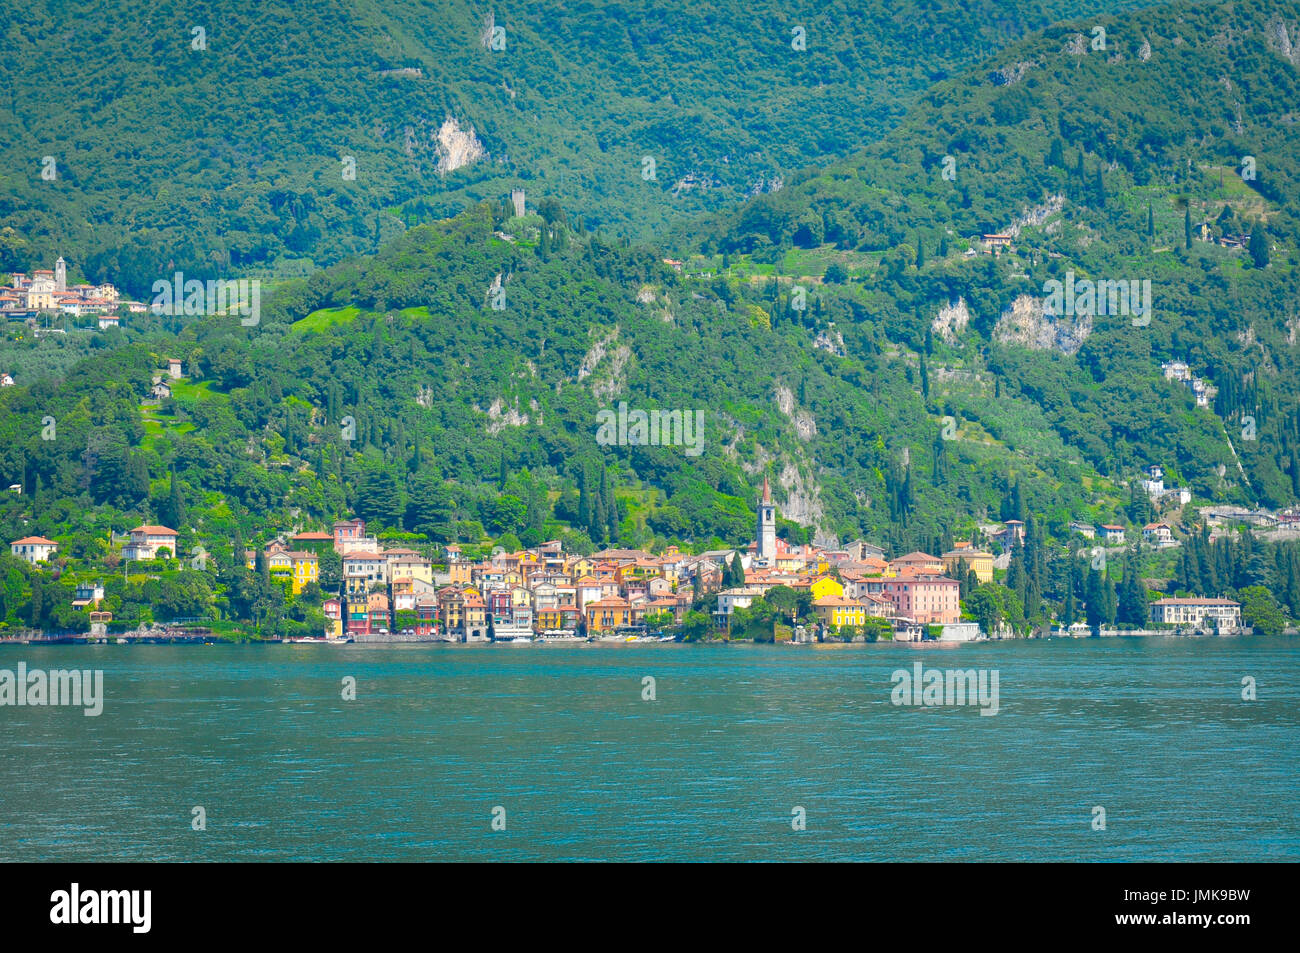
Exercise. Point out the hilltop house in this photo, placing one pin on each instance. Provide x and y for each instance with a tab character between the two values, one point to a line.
33	549
147	540
1158	534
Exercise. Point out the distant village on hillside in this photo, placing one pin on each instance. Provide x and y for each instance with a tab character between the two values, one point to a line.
46	292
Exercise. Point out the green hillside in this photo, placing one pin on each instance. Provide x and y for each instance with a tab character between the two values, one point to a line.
847	337
223	152
1107	163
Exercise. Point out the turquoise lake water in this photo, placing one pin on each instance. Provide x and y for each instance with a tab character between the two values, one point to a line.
1153	730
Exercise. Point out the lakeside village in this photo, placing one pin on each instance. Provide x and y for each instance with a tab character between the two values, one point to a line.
848	594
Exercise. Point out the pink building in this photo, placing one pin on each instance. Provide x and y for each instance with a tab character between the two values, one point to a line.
348	530
927	599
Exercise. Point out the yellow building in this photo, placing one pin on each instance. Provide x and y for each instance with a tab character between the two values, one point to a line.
580	567
839	611
608	614
306	569
980	562
825	586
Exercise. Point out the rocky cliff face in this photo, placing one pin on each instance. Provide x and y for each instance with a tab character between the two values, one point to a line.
457	147
1279	40
951	320
1025	323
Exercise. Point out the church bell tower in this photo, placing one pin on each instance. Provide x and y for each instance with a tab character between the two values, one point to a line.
766	549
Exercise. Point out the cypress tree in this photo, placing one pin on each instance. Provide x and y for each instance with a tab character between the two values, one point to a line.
1056	154
1258	247
172	511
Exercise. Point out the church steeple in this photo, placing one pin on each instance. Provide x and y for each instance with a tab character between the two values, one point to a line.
765	548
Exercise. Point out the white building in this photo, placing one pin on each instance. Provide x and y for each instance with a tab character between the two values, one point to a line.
729	600
147	540
1221	614
1159	534
34	549
1154	481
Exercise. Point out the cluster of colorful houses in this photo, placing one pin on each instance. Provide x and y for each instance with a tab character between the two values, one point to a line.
545	592
399	593
47	291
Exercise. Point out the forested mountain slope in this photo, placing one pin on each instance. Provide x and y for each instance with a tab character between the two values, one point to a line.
923	394
215	137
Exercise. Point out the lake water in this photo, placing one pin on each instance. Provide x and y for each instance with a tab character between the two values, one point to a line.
1153	730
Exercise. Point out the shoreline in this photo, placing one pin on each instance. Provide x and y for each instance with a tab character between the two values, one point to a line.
208	640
